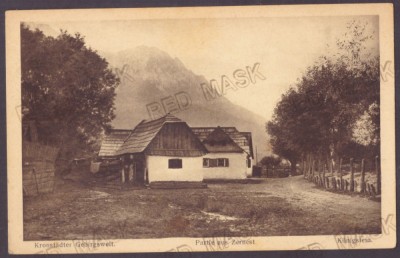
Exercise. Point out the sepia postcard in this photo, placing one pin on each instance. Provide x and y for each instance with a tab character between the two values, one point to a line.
201	129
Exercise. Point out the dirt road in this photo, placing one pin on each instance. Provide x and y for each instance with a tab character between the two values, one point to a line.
307	196
284	206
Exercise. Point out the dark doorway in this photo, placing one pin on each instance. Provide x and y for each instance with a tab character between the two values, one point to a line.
135	169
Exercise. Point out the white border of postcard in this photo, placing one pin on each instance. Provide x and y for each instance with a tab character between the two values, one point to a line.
14	160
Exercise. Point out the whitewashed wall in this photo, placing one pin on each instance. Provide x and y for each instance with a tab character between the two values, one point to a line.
192	169
237	166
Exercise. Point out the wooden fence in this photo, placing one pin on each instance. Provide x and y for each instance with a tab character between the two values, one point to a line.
38	168
350	177
271	172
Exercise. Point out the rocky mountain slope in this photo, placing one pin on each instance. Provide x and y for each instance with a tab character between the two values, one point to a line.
153	83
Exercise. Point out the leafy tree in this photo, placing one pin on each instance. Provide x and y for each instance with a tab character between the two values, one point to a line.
283	129
67	88
337	97
334	104
365	129
271	161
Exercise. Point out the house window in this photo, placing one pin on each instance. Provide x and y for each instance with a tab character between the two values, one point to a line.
175	163
220	162
213	163
206	163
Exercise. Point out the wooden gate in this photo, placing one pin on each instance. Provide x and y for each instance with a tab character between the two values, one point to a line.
38	168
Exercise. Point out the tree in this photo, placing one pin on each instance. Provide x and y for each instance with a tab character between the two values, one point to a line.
67	88
337	96
271	161
365	131
283	129
334	103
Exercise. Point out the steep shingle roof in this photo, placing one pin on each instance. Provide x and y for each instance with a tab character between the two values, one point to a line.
215	139
113	142
249	146
219	141
143	133
242	139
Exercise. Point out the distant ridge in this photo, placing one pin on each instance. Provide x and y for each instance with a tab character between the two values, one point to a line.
149	75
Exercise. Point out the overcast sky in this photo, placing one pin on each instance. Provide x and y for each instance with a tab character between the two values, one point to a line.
284	47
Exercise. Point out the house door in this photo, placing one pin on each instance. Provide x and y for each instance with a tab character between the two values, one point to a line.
139	175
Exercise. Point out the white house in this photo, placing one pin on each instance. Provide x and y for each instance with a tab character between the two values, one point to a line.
168	150
229	154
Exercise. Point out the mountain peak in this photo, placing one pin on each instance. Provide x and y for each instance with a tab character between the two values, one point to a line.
153	80
143	53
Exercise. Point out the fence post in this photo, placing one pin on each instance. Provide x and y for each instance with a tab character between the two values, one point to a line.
378	175
336	168
308	166
319	171
351	175
312	167
323	174
340	173
362	176
368	188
